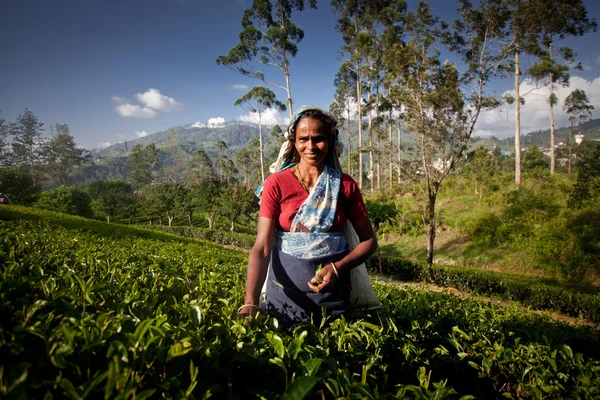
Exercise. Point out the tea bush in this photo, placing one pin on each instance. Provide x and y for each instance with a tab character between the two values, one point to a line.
85	315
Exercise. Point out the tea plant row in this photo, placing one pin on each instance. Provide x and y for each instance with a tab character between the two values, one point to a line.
119	314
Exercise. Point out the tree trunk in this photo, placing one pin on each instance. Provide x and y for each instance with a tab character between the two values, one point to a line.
517	120
552	155
570	145
190	219
260	143
370	127
378	164
232	227
289	93
170	219
399	154
107	217
211	219
348	130
431	229
358	111
390	150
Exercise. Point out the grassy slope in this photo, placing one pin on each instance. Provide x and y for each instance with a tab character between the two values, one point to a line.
457	205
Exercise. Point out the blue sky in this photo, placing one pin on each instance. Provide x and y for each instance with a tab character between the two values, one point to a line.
115	69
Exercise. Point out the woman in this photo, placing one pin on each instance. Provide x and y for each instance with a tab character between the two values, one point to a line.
303	210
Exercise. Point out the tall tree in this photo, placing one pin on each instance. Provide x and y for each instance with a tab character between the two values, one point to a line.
269	38
63	155
111	199
27	143
248	160
579	108
342	105
442	105
357	22
201	168
142	163
555	21
256	102
176	170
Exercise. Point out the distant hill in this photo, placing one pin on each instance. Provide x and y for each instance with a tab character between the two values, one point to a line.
541	138
111	162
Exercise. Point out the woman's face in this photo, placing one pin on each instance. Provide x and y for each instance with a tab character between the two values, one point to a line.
311	142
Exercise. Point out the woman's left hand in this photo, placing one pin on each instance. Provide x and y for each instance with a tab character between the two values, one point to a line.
324	280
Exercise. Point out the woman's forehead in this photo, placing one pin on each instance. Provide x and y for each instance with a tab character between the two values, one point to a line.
310	125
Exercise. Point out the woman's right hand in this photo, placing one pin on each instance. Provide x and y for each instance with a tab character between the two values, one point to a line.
247	311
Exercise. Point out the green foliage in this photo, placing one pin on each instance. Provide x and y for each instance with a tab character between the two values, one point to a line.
62	155
529	291
587	187
142	163
18	185
112	311
381	212
533	159
66	199
110	199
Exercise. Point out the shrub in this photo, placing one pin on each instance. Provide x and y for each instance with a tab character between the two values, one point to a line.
18	185
66	199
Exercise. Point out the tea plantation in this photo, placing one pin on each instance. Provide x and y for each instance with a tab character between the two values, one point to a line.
95	310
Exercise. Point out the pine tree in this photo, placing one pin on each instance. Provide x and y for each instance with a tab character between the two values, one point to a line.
27	143
62	154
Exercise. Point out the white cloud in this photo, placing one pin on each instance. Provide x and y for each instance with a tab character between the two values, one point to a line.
104	145
240	86
118	99
141	134
132	110
215	122
152	98
535	113
268	117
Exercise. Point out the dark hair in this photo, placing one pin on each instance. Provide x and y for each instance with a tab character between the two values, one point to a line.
329	126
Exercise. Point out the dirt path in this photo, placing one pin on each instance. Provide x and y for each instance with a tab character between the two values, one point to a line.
386	280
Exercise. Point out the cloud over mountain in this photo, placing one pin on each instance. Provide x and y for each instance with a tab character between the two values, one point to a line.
151	102
268	117
535	113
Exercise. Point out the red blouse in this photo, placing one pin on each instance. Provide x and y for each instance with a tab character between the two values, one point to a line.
283	195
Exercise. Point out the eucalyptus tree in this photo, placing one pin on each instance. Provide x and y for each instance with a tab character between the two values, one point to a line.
247	159
62	154
441	104
358	21
201	168
256	102
176	170
344	99
579	108
27	143
269	38
142	163
556	20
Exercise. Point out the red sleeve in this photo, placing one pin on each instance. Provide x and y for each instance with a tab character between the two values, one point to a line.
355	209
270	199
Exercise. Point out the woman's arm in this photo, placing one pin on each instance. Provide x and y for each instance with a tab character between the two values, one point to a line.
366	247
258	265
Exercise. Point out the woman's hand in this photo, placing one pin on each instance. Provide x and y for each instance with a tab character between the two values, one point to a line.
324	280
247	311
